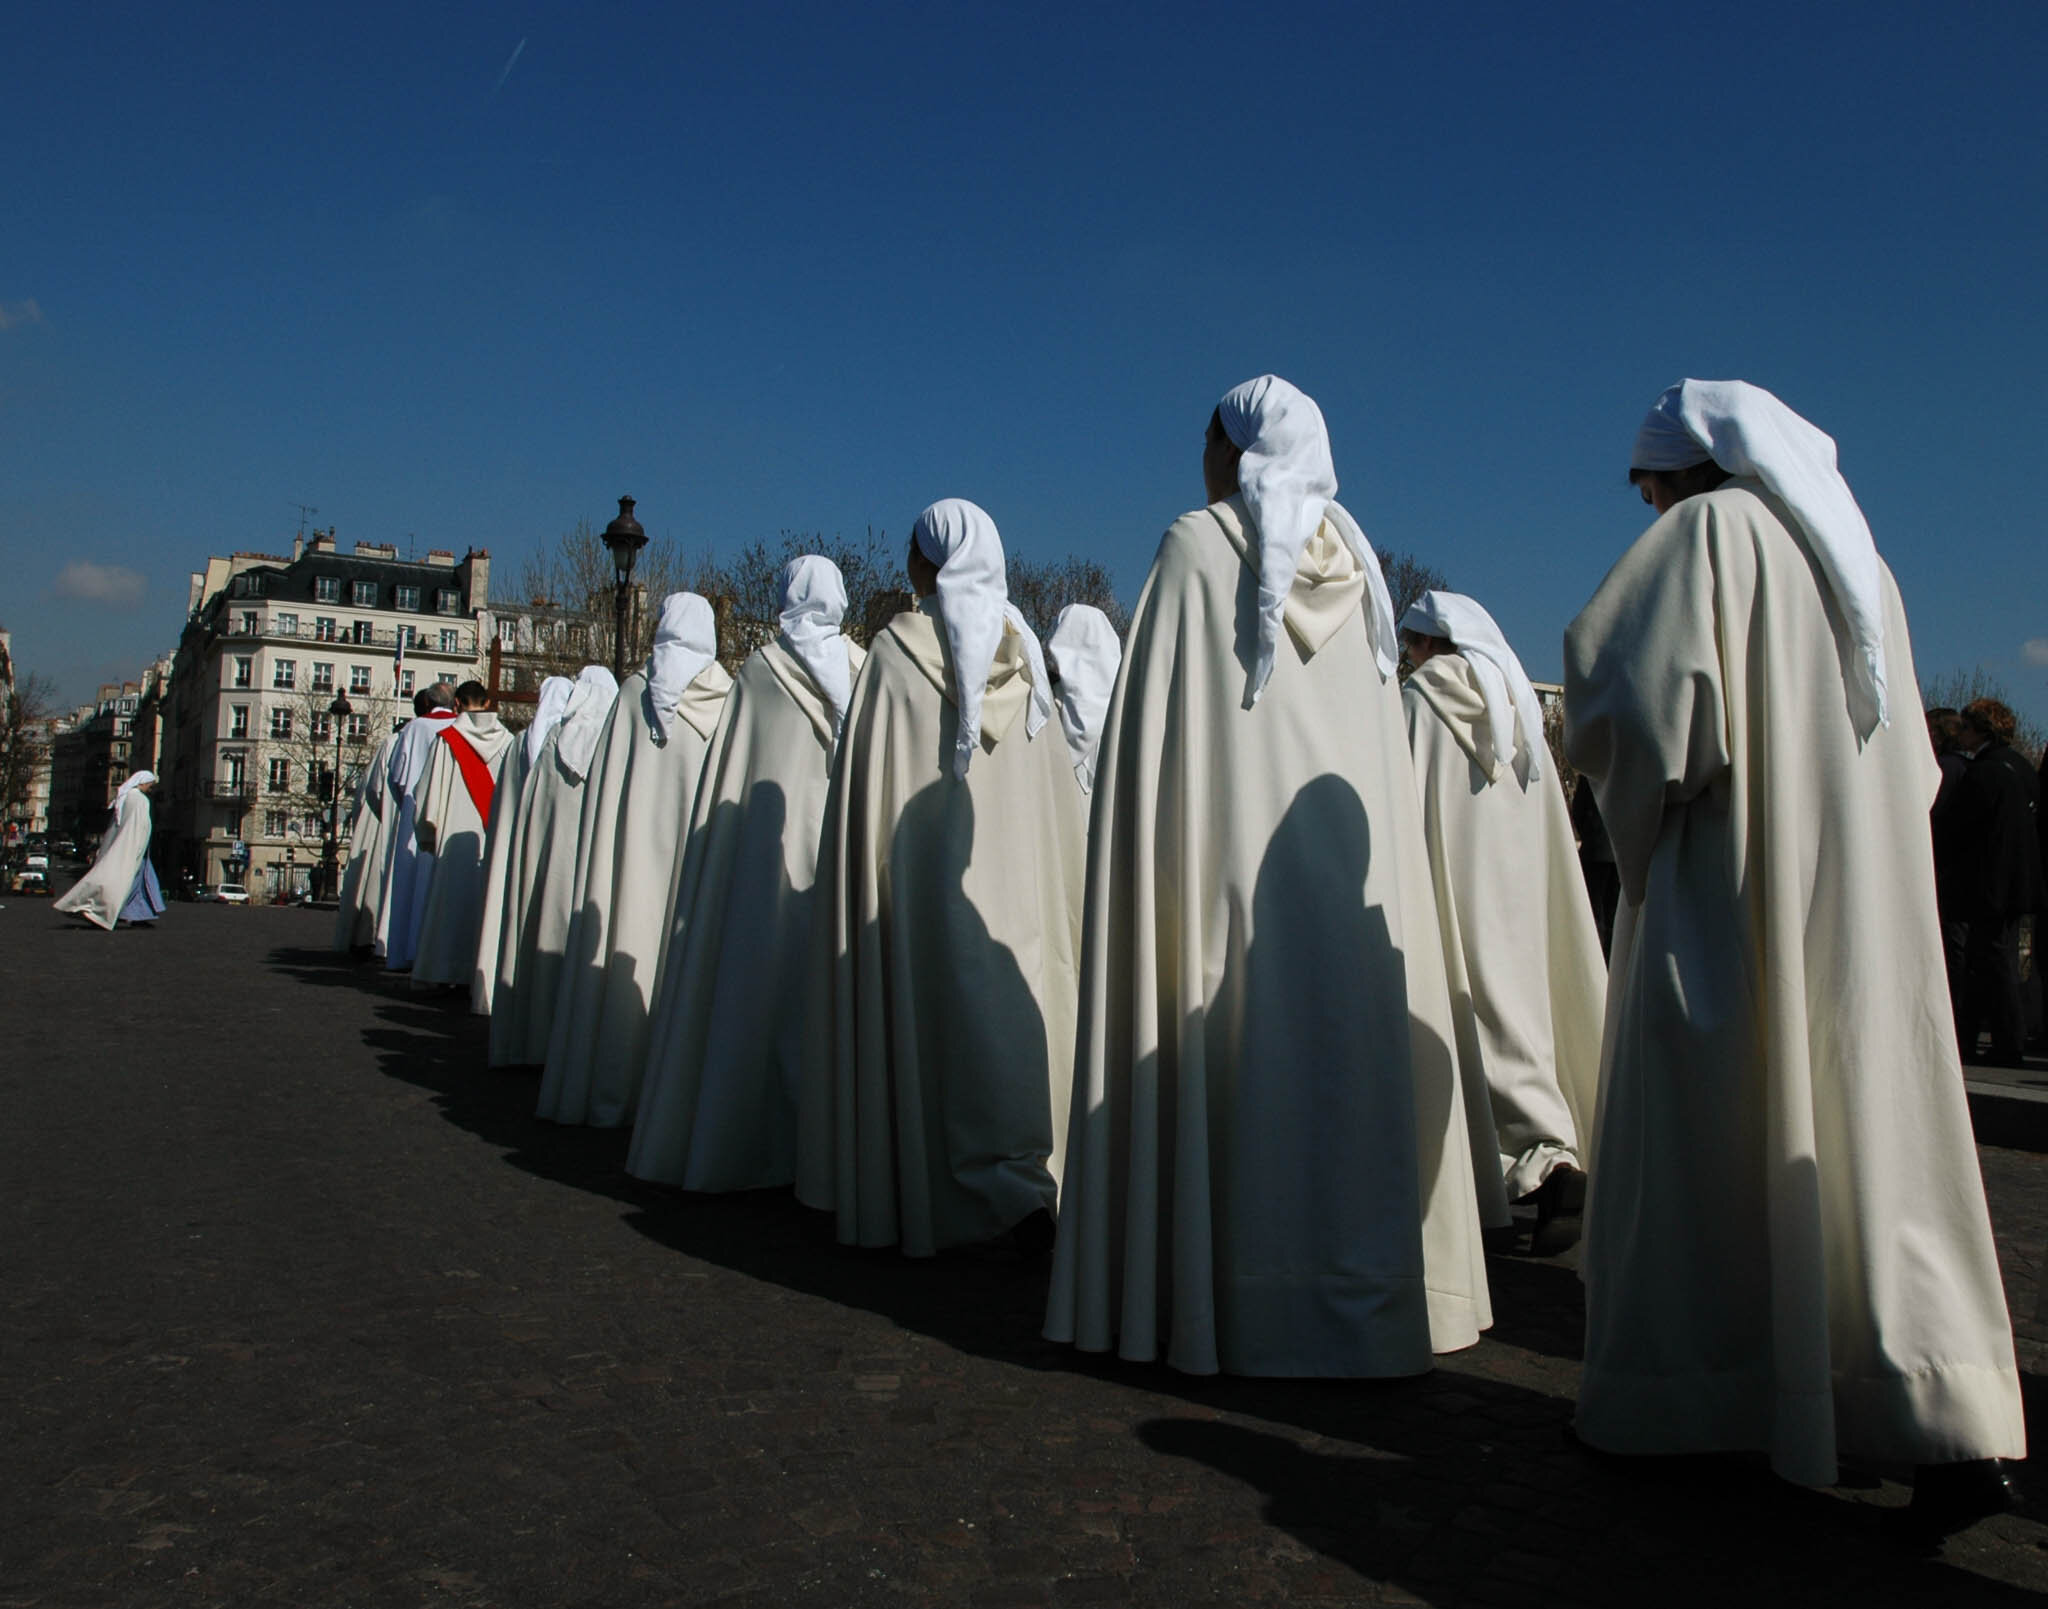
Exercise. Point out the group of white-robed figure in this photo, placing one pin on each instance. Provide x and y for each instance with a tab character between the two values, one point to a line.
1264	983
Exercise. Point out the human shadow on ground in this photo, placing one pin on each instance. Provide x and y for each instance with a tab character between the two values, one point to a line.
1431	1483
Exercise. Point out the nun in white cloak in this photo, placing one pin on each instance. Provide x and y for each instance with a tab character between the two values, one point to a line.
1520	949
1787	1248
635	811
949	876
121	884
718	1105
541	883
456	801
1083	655
502	837
1267	1166
409	864
362	884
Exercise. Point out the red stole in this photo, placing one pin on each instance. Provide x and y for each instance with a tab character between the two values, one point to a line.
476	772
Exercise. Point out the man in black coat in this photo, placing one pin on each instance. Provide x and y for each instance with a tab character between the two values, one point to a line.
1998	844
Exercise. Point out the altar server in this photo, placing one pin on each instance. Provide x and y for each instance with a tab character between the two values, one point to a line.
1083	654
1787	1248
121	884
951	866
718	1105
456	803
361	898
1520	948
502	837
409	863
1268	1167
541	882
635	814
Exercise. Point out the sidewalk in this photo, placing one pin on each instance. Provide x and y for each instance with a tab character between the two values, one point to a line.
301	1305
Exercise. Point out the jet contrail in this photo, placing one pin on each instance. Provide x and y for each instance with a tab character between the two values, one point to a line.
510	63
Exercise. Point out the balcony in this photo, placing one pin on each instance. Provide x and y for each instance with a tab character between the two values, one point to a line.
230	788
427	640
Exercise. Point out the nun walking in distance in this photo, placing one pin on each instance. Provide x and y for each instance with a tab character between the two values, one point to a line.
1787	1249
950	877
121	886
718	1105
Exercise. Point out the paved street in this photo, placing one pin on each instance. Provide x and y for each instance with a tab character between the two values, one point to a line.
300	1305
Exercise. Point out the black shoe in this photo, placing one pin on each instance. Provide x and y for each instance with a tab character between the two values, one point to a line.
1948	1498
1560	1212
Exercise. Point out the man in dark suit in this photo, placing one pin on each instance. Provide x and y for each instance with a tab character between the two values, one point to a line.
1997	816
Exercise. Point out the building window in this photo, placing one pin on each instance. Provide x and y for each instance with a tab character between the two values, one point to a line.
323	677
284	672
245	671
358	726
273	823
363	594
287	625
360	631
323	628
359	678
451	642
236	765
248	626
280	779
322	725
405	683
281	723
327	588
448	601
238	721
405	598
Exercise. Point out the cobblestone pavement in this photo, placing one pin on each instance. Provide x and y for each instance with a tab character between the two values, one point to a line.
301	1305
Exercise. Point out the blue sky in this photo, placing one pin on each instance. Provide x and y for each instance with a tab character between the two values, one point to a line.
812	267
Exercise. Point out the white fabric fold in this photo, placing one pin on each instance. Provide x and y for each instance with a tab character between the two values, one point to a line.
583	719
1748	431
961	539
554	698
1085	653
685	641
813	605
1290	487
1512	713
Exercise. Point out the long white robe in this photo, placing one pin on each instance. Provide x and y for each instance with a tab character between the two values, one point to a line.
362	883
540	887
408	865
933	1092
1787	1246
501	835
1528	982
99	895
1267	1164
453	917
636	812
718	1104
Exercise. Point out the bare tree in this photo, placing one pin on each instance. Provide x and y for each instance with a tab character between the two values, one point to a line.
1955	688
747	589
575	580
1042	588
25	710
1408	578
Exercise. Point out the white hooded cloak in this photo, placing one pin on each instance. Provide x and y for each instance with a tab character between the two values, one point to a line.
453	917
99	895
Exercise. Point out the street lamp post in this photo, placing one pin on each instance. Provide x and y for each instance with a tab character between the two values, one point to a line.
330	855
625	538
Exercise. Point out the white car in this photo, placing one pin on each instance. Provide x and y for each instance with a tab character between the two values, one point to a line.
230	894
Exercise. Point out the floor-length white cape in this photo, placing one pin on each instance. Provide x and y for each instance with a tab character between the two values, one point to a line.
99	895
362	883
1267	1165
453	915
1787	1246
718	1105
1528	982
539	888
636	812
931	1101
501	835
408	864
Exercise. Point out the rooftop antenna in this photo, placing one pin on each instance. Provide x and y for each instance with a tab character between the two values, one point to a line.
304	509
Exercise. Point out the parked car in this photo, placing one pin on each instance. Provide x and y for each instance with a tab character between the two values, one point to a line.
222	894
32	883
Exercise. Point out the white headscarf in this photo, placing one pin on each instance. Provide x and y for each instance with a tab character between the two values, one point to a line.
1084	653
962	541
813	605
554	694
583	718
1290	486
1514	719
1747	431
135	780
685	641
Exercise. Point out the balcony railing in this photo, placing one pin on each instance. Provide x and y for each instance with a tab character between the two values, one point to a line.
426	640
229	788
